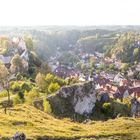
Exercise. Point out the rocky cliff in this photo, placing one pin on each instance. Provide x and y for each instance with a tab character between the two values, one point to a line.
77	98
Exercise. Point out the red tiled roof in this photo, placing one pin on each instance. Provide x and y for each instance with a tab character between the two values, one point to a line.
102	80
122	89
126	82
134	90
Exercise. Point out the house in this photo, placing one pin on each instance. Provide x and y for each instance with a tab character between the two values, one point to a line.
136	83
101	81
107	61
117	64
25	55
64	72
82	78
100	55
121	92
130	72
118	78
6	60
138	67
125	82
109	88
135	91
22	44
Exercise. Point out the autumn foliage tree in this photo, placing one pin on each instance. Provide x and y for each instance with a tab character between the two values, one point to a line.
5	82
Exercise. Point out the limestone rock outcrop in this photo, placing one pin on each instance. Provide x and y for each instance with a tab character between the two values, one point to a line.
79	98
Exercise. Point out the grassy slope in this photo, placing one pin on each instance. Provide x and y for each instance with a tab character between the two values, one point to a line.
36	123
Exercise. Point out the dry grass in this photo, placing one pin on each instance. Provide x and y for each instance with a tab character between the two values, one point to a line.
35	123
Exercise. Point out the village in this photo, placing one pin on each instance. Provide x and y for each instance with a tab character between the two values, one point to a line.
83	67
109	84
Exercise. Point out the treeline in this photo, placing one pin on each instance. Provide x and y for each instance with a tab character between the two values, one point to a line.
49	43
126	47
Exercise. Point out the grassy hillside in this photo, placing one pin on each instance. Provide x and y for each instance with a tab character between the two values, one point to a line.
39	125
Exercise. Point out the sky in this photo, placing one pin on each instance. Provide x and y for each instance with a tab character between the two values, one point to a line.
69	12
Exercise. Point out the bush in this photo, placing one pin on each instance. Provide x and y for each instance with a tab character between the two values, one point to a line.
115	108
107	108
127	102
16	100
53	87
60	81
72	80
49	78
46	106
21	95
19	76
26	87
31	95
19	98
15	87
3	93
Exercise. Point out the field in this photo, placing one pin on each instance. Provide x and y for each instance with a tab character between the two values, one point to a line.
39	125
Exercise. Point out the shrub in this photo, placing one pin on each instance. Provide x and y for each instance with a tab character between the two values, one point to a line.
115	108
26	87
60	81
127	102
72	80
19	98
49	78
3	93
107	108
16	100
19	76
31	95
15	87
46	106
21	95
120	109
53	87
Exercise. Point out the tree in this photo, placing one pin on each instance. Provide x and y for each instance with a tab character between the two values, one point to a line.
5	82
135	53
29	43
124	67
40	81
92	62
49	78
16	64
45	68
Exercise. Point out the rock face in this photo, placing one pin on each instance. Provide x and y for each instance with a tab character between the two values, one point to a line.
81	98
135	108
19	136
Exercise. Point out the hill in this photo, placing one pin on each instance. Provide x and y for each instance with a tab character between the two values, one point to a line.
41	126
126	47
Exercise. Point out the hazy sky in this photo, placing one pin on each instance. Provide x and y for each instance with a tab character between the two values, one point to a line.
69	12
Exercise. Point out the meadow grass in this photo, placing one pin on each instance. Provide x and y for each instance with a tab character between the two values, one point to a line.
37	124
